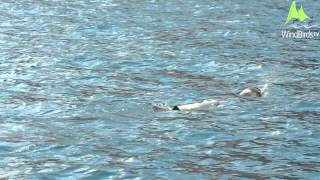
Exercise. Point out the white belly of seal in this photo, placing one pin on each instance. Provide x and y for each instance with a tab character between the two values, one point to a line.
205	105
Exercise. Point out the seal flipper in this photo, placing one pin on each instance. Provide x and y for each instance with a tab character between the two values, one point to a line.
175	108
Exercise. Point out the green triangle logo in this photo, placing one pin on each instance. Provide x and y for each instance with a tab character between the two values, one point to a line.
296	15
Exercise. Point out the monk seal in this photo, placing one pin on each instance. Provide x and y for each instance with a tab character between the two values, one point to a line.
248	93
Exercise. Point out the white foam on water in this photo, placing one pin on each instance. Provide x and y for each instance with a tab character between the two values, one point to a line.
264	89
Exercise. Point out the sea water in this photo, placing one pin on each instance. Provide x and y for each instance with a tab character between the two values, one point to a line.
78	80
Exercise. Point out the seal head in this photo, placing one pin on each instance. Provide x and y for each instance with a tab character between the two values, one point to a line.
251	92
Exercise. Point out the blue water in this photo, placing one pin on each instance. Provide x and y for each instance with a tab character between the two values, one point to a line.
78	80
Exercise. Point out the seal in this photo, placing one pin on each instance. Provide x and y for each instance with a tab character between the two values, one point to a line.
250	92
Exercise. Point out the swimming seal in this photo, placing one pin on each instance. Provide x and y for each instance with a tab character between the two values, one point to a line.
248	93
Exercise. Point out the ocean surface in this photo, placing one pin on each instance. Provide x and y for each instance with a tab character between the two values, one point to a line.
78	80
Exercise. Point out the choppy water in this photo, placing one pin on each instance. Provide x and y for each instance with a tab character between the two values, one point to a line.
78	80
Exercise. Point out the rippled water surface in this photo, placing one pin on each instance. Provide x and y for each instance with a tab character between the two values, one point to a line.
78	80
